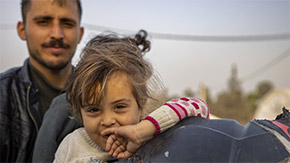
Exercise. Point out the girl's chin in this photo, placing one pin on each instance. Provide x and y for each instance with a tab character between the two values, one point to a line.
102	143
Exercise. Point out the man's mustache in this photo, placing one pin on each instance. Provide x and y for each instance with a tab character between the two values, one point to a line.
56	43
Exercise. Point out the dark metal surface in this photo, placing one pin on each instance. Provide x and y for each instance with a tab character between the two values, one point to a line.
201	140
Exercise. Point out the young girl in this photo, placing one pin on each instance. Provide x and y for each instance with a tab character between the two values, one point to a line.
109	88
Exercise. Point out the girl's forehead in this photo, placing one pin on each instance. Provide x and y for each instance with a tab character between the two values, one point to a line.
118	75
117	86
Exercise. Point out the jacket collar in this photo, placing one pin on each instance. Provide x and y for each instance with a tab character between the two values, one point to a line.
24	73
34	105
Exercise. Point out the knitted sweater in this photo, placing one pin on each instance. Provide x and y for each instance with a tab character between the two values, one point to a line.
78	147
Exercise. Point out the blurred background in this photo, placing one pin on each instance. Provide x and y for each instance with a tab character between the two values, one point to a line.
234	54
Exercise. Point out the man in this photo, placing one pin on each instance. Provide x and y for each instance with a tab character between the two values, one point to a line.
52	31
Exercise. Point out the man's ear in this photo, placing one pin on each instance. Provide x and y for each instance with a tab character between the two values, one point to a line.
81	33
21	30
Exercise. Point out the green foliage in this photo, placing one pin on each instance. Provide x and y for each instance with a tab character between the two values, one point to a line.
189	92
237	105
232	103
263	87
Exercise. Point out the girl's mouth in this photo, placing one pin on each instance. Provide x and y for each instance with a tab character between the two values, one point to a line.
106	136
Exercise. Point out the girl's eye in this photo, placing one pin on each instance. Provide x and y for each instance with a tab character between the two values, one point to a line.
120	106
92	110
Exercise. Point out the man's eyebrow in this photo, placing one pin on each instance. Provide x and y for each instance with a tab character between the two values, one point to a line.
50	18
68	20
42	18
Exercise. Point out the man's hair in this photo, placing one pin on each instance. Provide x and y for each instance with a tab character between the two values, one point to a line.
103	56
25	6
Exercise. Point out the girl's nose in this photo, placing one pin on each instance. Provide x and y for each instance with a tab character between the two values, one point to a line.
108	120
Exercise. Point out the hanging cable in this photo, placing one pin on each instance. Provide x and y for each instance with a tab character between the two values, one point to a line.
179	37
166	36
267	66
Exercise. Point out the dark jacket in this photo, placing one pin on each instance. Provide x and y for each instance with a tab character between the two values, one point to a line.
20	115
57	123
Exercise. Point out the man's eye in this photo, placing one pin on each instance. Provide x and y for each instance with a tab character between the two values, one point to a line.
69	24
42	22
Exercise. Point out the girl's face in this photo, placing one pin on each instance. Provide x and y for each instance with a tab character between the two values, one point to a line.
118	108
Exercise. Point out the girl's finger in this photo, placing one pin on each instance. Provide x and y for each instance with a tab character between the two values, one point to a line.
110	141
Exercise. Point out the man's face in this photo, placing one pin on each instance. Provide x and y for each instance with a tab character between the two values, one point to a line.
52	33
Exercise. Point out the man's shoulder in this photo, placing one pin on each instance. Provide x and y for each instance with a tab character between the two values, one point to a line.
10	73
59	105
16	72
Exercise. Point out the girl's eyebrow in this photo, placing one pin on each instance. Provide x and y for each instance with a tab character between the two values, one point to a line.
90	105
122	100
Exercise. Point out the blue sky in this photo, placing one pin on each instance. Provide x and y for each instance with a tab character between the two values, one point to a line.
183	64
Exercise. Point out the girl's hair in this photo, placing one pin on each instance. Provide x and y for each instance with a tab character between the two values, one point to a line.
101	57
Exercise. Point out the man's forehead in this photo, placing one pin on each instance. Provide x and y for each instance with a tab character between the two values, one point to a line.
58	2
54	8
54	3
63	2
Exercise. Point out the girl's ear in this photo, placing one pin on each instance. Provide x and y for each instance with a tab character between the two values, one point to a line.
21	30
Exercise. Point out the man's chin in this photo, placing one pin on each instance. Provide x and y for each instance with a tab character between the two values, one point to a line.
52	62
55	66
55	63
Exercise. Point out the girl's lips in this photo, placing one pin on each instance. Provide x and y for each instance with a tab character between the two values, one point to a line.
106	136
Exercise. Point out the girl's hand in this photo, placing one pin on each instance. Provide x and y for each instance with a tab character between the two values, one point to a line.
116	145
124	141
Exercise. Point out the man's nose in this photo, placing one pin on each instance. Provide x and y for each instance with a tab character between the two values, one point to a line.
56	31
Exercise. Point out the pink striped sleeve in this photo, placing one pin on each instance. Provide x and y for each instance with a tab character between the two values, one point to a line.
155	124
175	110
185	107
